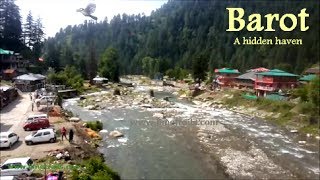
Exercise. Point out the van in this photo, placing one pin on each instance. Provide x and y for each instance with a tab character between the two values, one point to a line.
36	124
36	116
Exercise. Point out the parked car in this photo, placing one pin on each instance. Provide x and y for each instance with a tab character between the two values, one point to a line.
36	124
17	167
44	100
9	178
36	116
7	139
43	135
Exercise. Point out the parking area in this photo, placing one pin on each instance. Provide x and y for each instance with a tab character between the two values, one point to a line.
12	118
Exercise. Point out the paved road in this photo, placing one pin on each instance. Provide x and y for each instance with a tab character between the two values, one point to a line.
12	118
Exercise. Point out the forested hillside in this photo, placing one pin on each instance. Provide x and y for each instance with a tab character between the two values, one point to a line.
182	34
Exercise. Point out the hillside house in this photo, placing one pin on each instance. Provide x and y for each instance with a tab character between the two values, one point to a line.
30	82
248	79
274	81
226	76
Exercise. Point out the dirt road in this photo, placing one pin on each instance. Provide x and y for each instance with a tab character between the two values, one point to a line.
12	119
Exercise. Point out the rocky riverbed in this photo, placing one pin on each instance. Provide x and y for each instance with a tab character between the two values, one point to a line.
243	146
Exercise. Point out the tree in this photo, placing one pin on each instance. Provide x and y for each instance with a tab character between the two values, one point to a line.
199	67
109	65
10	26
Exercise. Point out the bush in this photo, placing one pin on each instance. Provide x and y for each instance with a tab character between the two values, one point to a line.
95	168
95	125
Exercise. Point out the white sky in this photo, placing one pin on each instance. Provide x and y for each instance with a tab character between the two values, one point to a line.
56	14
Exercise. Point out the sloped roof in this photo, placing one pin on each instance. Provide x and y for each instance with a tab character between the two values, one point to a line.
5	88
30	77
2	51
9	71
277	72
309	77
249	75
313	70
227	71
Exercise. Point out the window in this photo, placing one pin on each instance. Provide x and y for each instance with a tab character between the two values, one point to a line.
5	166
46	133
10	135
29	162
38	134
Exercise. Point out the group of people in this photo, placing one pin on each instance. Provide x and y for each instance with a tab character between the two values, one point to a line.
64	134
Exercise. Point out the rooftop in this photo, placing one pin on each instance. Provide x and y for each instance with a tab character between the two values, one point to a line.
309	77
30	77
227	71
277	72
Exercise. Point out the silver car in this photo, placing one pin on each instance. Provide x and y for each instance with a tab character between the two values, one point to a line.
17	167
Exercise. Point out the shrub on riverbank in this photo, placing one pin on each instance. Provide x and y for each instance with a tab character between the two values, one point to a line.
95	125
94	168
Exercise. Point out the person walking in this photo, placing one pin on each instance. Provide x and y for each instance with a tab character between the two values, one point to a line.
63	133
70	135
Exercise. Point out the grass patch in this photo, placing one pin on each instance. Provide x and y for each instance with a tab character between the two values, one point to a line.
311	129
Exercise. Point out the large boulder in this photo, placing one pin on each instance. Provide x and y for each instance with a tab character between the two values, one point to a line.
74	119
115	134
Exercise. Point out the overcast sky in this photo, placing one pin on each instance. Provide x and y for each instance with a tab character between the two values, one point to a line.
56	14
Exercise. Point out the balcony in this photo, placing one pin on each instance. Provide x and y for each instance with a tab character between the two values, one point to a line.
264	88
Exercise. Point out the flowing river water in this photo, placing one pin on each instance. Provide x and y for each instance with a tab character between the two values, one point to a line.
231	145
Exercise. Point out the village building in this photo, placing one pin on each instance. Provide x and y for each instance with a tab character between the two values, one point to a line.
30	82
248	79
226	77
274	81
7	95
12	64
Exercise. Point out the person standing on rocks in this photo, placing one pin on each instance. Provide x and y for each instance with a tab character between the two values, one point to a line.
70	135
63	133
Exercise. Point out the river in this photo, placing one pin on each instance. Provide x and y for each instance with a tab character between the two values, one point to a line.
234	146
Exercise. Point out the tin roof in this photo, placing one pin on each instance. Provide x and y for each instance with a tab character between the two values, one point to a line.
309	77
30	77
227	71
277	72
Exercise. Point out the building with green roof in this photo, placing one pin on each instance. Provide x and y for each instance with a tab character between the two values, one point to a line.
226	76
274	80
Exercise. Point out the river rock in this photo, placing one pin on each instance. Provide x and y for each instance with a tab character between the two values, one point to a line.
158	115
294	131
146	105
74	119
202	134
90	107
302	142
103	131
115	134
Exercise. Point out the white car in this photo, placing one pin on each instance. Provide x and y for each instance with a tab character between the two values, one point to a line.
9	178
17	167
43	135
7	139
36	116
44	100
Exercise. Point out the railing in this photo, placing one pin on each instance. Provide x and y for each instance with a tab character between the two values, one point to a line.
265	88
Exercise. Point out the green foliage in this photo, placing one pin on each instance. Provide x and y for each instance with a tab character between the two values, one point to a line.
180	31
95	169
177	73
199	67
69	77
95	125
313	91
109	65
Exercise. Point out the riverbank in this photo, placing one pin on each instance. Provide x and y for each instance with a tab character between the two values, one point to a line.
288	114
